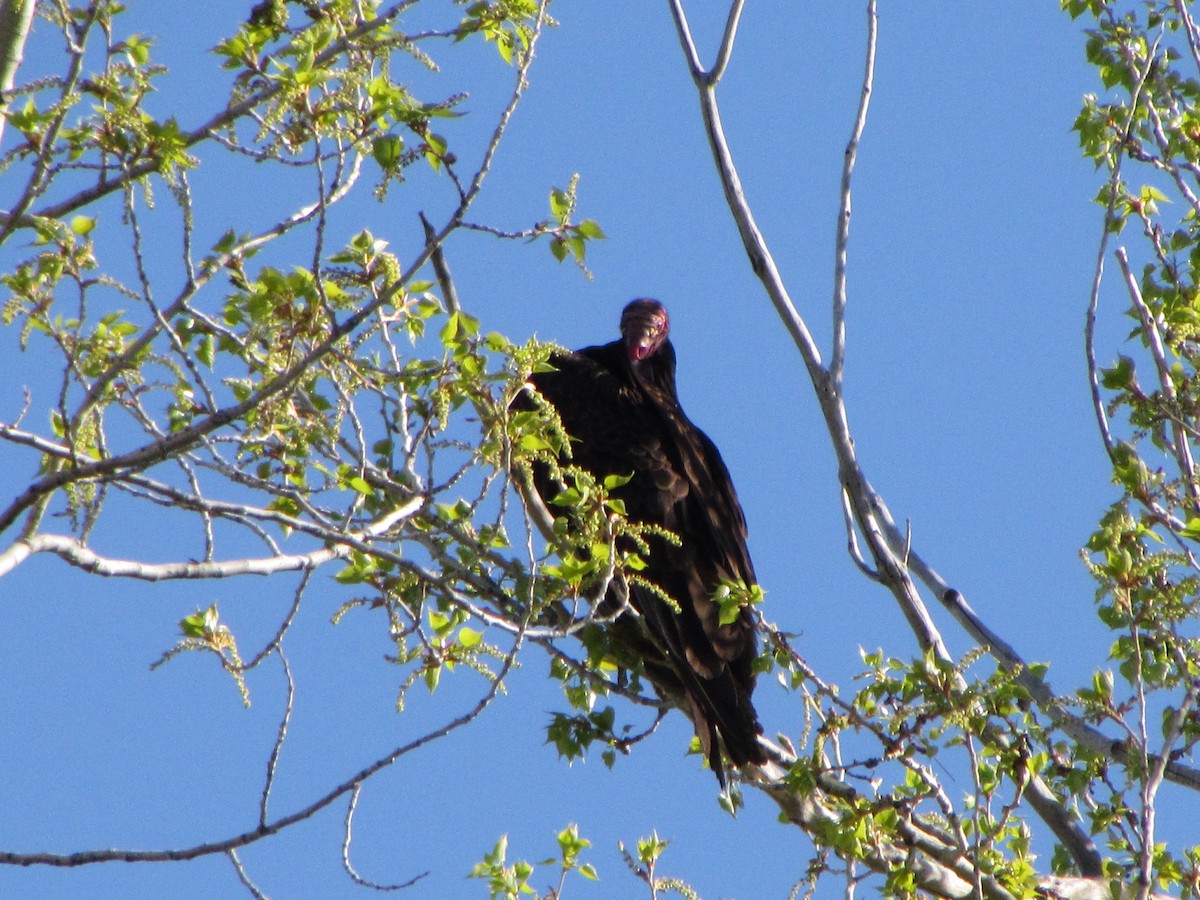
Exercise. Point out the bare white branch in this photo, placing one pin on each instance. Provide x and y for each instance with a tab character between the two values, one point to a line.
244	877
837	358
1151	330
280	737
15	19
74	552
347	838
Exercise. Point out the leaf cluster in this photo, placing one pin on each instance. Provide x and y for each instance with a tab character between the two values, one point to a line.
1143	134
511	881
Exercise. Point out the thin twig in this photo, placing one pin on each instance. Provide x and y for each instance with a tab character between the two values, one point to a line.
280	736
347	837
727	39
224	845
837	357
1151	332
852	540
1089	329
243	877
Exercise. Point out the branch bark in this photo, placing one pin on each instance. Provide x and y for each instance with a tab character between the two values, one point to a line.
15	19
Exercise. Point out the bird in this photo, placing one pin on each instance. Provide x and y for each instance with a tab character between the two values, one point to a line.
619	406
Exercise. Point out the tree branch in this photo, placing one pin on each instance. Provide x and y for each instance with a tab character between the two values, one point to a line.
1089	328
892	556
837	358
222	120
72	551
246	838
890	567
15	19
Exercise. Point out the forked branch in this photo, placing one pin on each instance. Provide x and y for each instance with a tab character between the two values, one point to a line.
867	514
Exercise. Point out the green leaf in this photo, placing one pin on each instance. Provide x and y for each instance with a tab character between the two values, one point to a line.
1120	376
202	624
504	46
349	575
435	150
570	844
450	330
589	229
360	484
533	443
1150	193
497	343
567	497
387	151
560	204
651	848
206	350
83	225
137	48
731	596
432	676
192	626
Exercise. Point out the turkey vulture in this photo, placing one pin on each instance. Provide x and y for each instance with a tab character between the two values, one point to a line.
618	404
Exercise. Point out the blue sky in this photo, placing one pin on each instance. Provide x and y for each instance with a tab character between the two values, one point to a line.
972	247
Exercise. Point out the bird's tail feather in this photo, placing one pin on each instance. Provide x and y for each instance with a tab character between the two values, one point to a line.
720	707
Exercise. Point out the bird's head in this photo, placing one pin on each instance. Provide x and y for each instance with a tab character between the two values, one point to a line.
644	327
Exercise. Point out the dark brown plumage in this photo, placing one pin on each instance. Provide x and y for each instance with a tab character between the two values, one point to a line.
619	405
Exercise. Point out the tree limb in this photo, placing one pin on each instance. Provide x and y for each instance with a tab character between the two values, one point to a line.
892	559
837	359
15	19
264	830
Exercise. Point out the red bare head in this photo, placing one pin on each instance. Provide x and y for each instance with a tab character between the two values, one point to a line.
644	326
